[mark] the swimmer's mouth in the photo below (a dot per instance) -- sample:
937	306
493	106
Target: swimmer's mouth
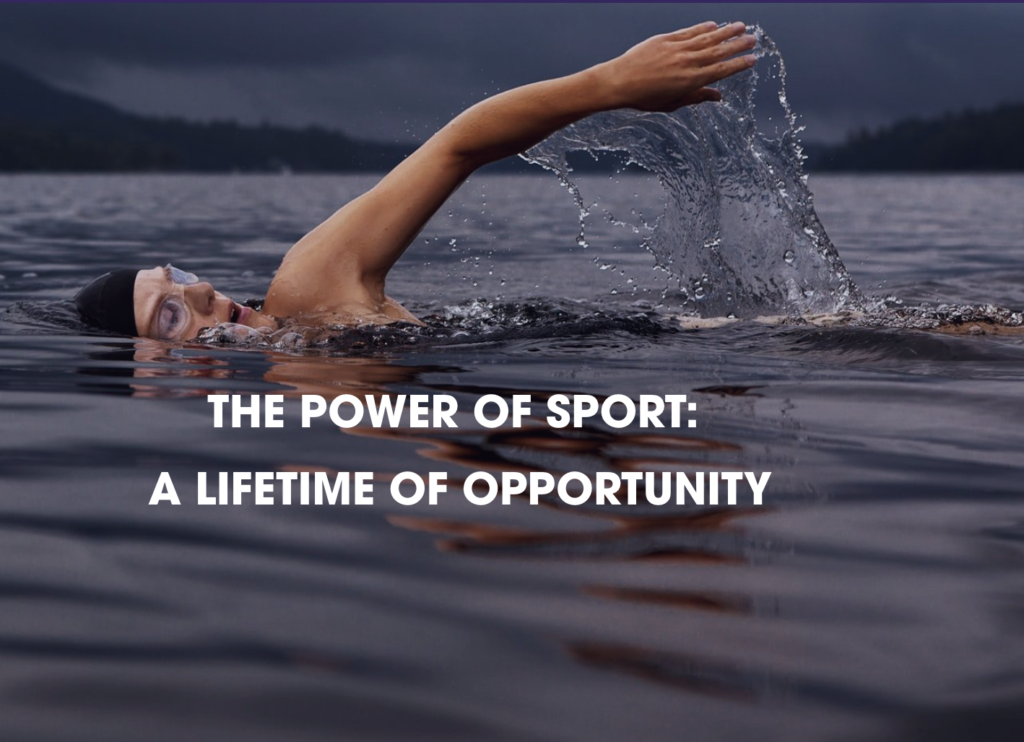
240	314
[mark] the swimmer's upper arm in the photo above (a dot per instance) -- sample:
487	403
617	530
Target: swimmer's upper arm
375	229
349	255
356	247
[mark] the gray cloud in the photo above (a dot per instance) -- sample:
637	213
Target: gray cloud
399	71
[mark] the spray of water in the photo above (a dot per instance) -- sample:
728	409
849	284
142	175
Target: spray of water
739	235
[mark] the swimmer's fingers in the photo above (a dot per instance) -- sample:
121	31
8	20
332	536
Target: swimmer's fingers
716	37
722	70
663	73
685	34
724	51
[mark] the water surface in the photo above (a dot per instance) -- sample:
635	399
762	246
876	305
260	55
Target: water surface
876	595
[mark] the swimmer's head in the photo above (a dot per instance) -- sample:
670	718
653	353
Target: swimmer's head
161	303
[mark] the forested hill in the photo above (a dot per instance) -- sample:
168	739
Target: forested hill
43	128
984	141
46	129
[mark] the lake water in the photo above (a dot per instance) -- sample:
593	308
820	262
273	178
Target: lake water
877	594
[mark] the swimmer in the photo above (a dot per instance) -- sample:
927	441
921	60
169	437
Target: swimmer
336	274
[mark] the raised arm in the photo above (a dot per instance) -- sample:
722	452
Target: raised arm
345	260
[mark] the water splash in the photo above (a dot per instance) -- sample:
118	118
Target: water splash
966	319
465	323
739	234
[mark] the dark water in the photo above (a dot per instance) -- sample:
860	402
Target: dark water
878	594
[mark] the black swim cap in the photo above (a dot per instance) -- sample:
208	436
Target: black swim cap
109	302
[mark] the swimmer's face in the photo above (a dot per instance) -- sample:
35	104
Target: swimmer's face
173	305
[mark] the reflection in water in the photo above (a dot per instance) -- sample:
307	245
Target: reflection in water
672	539
684	672
696	537
159	363
643	535
730	391
715	602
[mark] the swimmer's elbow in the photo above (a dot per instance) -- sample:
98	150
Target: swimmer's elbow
463	147
459	158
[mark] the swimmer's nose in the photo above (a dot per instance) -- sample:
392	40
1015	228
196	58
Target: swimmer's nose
201	297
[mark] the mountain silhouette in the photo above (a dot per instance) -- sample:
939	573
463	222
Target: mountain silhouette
44	128
968	141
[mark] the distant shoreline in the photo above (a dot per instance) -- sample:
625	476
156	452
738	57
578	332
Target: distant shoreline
47	130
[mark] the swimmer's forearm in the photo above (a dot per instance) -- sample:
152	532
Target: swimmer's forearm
514	121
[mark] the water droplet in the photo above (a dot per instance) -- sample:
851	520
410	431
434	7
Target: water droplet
698	292
789	256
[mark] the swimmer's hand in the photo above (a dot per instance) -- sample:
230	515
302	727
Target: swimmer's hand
673	70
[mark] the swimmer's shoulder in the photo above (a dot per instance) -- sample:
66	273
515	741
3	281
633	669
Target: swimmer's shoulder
322	302
355	314
386	312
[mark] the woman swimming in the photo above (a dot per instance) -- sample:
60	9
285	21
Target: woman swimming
336	274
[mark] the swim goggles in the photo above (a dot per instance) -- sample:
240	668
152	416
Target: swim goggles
173	317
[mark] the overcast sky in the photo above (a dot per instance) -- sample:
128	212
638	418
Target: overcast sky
398	72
